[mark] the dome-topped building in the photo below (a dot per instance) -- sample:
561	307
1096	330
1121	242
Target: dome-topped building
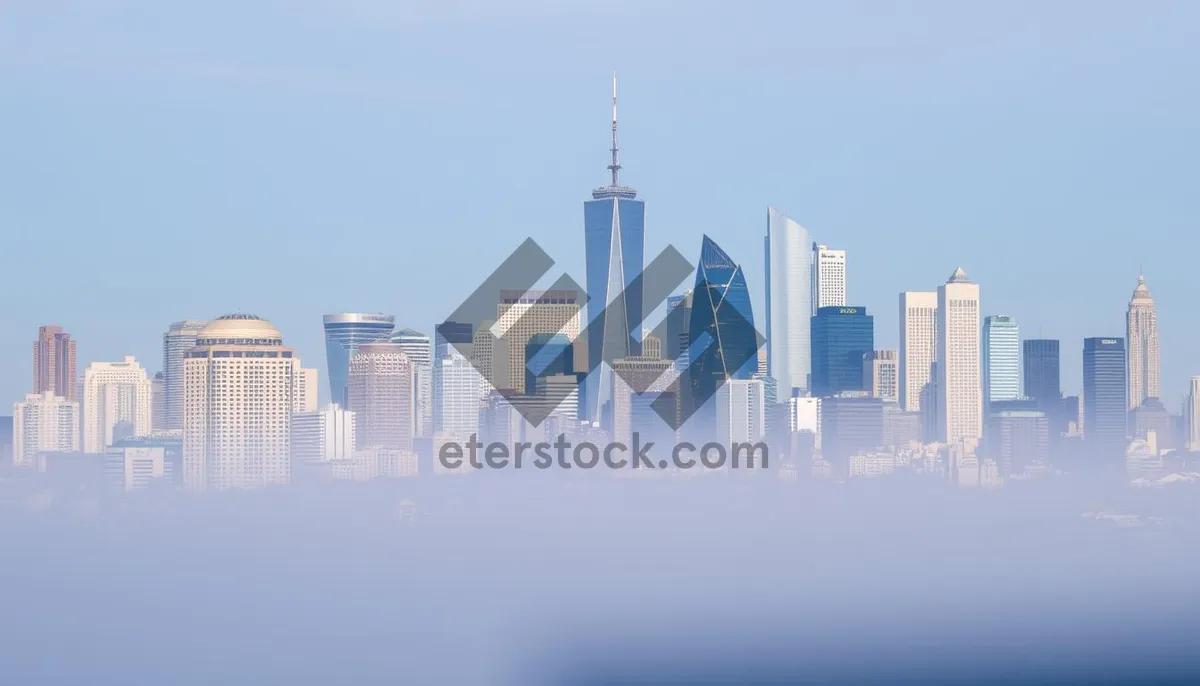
239	329
241	386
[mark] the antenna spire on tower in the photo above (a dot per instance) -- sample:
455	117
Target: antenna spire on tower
616	165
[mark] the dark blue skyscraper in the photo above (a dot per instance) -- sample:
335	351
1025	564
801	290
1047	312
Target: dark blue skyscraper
840	336
724	343
1104	409
1042	377
614	241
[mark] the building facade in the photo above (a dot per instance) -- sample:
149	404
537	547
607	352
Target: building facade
456	392
419	350
54	362
828	278
323	436
724	341
1141	340
789	301
881	375
379	391
960	397
520	317
1001	358
1043	376
344	332
918	345
44	422
741	412
179	338
841	338
1105	408
115	392
239	397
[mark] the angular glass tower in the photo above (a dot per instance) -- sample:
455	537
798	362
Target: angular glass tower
724	342
789	301
343	334
614	224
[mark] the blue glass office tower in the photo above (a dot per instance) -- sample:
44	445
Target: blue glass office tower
841	337
343	334
724	342
1104	409
614	225
547	354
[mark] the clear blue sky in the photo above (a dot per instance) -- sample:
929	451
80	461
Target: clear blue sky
162	161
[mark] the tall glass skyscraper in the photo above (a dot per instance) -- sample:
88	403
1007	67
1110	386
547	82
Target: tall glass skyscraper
724	341
841	338
179	338
614	226
1104	408
343	334
1001	359
1043	379
789	301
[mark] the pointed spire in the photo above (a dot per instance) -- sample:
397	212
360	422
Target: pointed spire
616	165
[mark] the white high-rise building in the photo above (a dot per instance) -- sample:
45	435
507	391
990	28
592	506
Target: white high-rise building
44	422
828	278
918	345
741	406
306	390
239	397
114	392
960	398
1192	416
179	338
789	302
1001	358
323	435
419	350
881	371
379	390
133	468
1141	332
456	391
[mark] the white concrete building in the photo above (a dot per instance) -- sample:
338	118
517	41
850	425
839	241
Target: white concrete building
881	374
456	390
828	278
918	345
306	390
741	407
960	396
789	302
44	422
323	435
1192	415
1141	334
115	392
239	396
133	468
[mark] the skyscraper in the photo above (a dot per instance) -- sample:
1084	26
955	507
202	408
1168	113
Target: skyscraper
114	392
343	334
379	389
547	355
918	345
881	375
614	224
456	392
1141	331
1191	418
520	317
679	315
239	393
54	362
158	402
44	422
633	378
179	338
960	398
841	338
1042	375
418	348
724	341
1105	417
451	334
741	408
789	301
1001	358
828	277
